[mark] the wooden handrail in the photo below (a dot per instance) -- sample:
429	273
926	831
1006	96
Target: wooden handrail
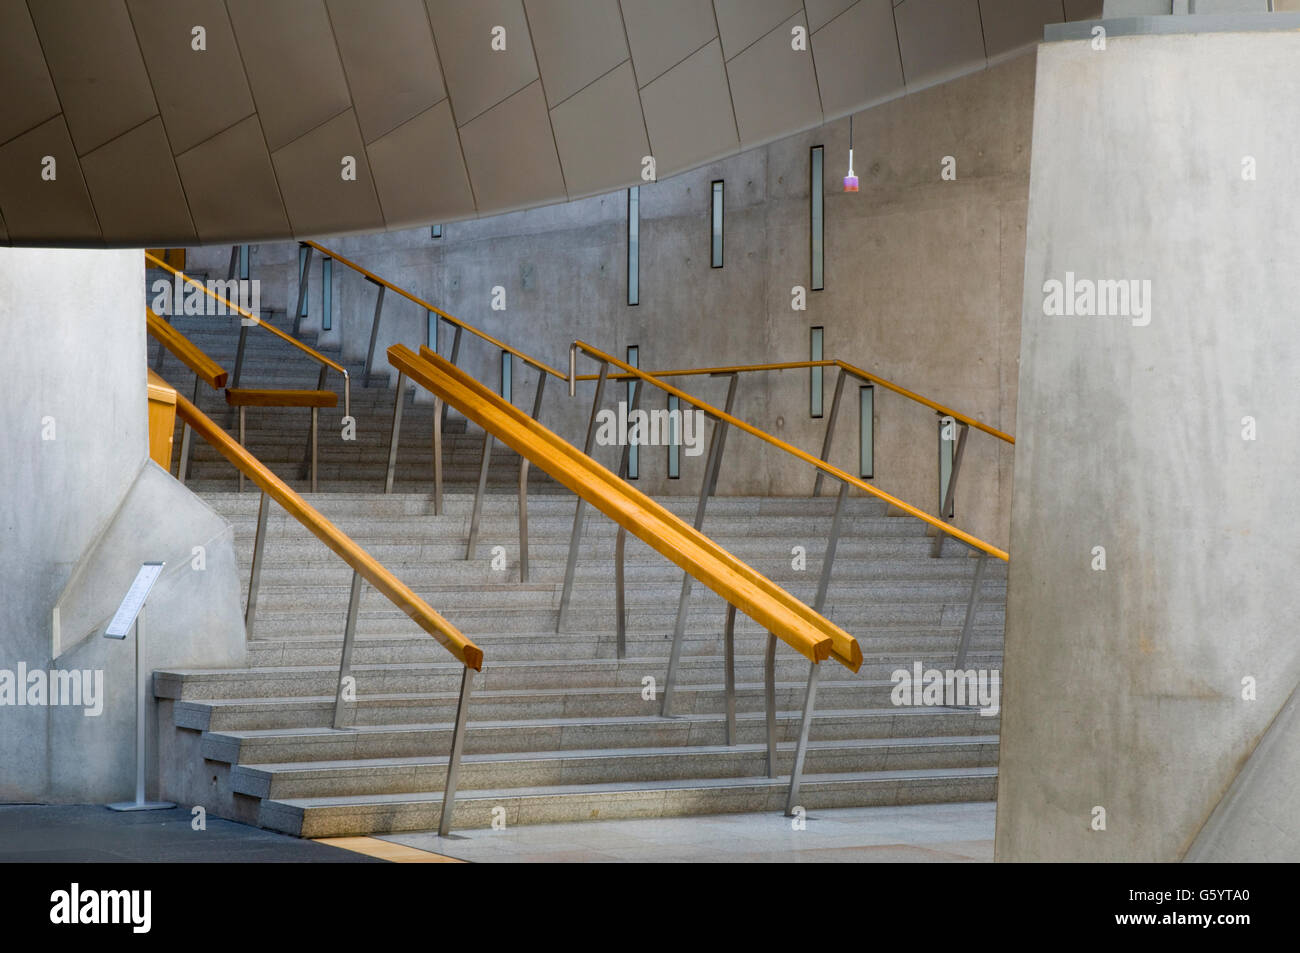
954	532
339	542
806	631
208	370
359	269
311	352
800	365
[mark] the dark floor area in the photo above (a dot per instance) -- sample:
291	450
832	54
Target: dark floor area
91	833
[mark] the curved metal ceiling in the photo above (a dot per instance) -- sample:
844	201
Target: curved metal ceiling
116	128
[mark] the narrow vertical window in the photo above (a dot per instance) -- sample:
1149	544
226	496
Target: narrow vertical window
326	293
507	366
633	460
815	373
431	328
634	245
947	443
866	431
674	438
302	277
817	219
717	225
243	262
435	231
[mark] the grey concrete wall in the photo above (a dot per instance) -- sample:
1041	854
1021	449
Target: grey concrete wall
89	497
922	287
1144	688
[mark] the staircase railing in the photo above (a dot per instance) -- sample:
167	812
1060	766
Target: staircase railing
247	319
364	567
784	617
722	420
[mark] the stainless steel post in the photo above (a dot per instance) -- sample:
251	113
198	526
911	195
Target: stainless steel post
571	565
183	468
620	543
374	334
478	495
940	537
801	749
349	637
729	651
255	575
395	433
769	686
457	746
963	647
830	430
523	486
829	559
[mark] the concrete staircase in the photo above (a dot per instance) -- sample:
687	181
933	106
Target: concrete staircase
559	729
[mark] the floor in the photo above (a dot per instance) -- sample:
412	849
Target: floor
91	833
926	833
930	833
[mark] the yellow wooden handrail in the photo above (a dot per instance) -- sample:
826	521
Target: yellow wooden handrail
339	542
800	365
495	342
314	354
208	370
954	532
806	631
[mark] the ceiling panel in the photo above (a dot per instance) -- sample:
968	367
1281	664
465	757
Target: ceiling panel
310	172
136	189
22	68
662	33
477	76
510	153
856	55
199	92
822	12
774	87
682	138
601	135
938	38
36	210
576	42
419	172
292	65
390	60
94	60
231	187
1011	24
742	22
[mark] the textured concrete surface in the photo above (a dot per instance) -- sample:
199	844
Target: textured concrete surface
90	833
930	833
1127	689
79	491
923	286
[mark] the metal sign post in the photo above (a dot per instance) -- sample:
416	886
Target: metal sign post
131	613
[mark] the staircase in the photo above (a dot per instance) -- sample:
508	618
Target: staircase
559	729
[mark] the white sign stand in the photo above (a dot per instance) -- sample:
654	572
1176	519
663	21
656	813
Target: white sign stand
131	612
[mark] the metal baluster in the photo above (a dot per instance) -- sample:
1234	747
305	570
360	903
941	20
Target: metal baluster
523	486
374	334
620	544
830	430
729	651
828	560
571	566
306	457
940	537
438	411
710	482
801	749
457	746
971	605
769	685
395	433
478	495
349	637
183	468
455	355
255	575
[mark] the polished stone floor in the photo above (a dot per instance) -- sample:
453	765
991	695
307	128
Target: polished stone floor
926	833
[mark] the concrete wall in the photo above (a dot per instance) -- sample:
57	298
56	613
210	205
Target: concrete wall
922	287
1128	689
80	492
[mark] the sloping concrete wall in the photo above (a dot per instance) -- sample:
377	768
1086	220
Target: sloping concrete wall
922	287
78	486
1143	688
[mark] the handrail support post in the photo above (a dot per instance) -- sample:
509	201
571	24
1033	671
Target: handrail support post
374	334
453	760
769	698
345	661
823	584
830	430
967	628
255	573
571	564
801	749
523	486
936	548
729	651
395	433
